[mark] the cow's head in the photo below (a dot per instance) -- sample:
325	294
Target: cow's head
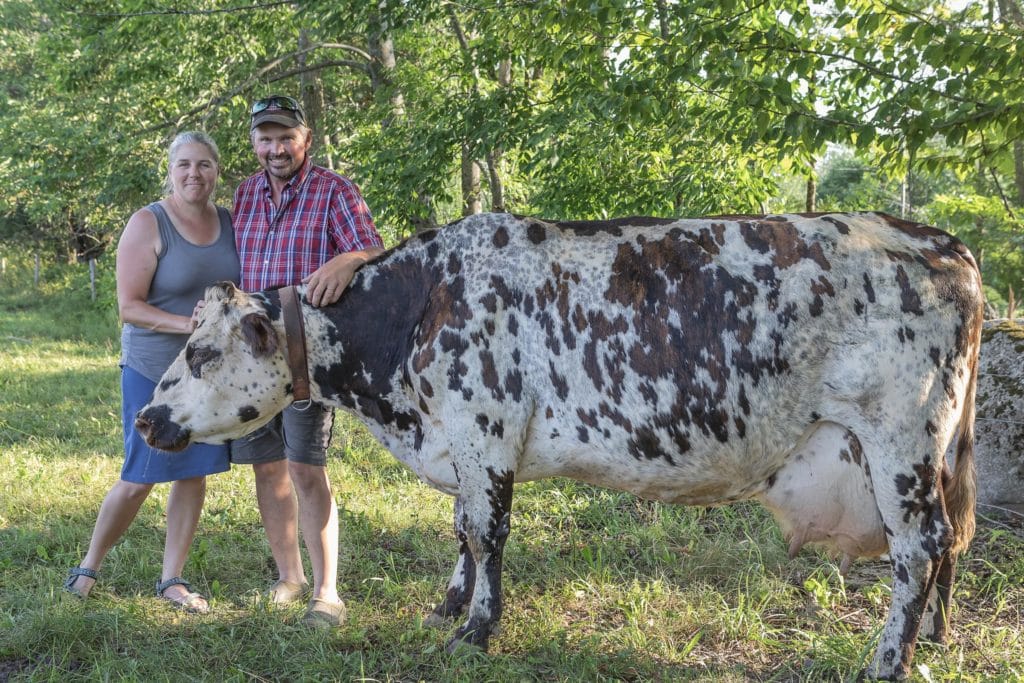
231	378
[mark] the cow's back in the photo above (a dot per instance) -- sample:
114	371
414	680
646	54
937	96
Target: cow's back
649	352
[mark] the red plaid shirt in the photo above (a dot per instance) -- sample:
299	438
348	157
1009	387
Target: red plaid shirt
322	215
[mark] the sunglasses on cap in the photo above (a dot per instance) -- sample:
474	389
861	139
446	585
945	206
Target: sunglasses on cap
278	102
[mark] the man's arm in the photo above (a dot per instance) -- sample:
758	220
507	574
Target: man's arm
326	283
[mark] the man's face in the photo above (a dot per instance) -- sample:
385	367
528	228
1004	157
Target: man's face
281	150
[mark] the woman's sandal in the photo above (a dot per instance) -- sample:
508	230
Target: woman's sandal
194	603
73	574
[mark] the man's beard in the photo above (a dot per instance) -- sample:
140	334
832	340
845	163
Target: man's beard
285	172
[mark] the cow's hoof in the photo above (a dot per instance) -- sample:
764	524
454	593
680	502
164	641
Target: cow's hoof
468	638
939	642
868	675
938	637
435	620
462	648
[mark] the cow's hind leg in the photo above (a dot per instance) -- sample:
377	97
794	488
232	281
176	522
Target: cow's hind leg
485	518
460	586
919	539
935	624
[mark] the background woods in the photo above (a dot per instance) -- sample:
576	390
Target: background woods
560	109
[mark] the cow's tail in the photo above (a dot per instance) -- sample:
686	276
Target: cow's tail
960	485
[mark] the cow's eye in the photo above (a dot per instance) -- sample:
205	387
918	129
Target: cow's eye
197	356
192	355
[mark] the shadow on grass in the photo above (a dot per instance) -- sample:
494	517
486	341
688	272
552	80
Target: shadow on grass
85	412
99	640
389	583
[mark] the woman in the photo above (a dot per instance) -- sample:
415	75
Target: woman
169	253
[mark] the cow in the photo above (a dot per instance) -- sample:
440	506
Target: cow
819	364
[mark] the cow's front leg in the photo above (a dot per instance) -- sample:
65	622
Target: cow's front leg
485	518
460	586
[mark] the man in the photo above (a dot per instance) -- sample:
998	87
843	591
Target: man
298	223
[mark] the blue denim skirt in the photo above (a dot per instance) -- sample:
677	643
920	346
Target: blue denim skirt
145	465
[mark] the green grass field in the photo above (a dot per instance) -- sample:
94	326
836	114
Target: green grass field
598	585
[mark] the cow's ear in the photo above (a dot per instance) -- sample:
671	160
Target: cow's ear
219	291
259	334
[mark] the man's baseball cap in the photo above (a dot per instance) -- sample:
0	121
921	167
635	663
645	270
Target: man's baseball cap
277	109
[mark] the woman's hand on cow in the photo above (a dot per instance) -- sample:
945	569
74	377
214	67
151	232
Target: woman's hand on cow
195	314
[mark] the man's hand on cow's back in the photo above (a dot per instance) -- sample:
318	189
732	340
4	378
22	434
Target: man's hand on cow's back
326	284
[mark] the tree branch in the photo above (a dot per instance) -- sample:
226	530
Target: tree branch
357	66
261	75
1002	195
182	12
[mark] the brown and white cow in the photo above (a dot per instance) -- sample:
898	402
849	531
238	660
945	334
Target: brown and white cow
817	363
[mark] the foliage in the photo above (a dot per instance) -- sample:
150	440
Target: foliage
610	107
846	182
965	208
997	241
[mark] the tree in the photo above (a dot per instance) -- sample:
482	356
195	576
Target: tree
570	110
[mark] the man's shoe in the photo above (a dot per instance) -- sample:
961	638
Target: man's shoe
286	592
323	614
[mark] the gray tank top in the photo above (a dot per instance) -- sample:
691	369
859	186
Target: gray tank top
183	272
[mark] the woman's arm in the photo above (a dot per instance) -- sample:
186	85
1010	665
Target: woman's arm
136	263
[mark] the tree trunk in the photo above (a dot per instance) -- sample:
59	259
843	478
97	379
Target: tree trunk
812	194
382	49
663	19
382	65
905	207
470	171
1010	12
1018	170
470	183
496	155
312	96
494	159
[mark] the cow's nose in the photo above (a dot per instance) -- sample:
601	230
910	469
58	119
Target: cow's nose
143	426
159	431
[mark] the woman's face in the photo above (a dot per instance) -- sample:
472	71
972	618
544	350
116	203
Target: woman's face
193	172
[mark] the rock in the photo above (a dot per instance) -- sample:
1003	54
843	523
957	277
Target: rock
999	427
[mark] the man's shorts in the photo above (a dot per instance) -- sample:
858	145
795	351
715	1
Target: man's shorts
299	435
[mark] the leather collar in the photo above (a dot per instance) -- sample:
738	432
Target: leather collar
295	343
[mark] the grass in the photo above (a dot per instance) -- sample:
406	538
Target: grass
599	586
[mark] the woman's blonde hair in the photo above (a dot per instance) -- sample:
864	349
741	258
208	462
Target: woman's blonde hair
188	137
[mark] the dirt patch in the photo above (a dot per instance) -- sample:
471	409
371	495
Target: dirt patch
9	668
13	667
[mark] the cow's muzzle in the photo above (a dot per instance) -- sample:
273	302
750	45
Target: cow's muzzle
159	431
